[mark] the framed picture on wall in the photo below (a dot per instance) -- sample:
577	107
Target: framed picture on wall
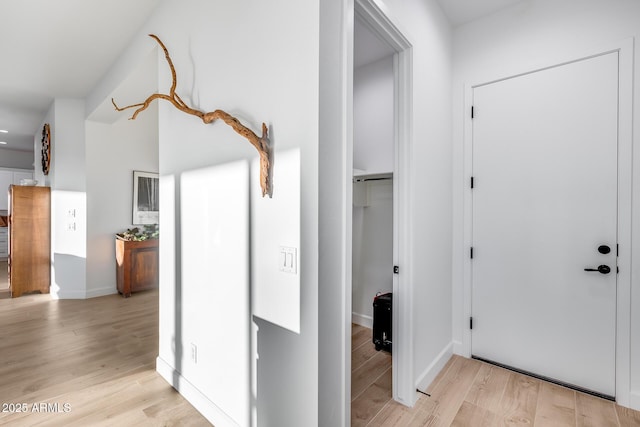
146	190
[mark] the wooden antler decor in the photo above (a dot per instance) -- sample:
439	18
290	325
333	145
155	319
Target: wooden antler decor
260	143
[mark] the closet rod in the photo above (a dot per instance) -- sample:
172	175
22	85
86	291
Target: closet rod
373	177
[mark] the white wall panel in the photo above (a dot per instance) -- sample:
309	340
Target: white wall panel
275	244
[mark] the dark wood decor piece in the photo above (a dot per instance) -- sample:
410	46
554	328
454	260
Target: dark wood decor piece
29	239
136	265
46	149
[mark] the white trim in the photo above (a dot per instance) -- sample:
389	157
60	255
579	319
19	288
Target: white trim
376	17
362	320
458	347
634	401
347	214
10	169
83	294
625	169
625	198
100	292
432	371
207	408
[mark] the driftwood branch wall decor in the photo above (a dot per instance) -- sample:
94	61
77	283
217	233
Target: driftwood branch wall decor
260	143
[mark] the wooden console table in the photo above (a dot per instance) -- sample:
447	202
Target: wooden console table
136	265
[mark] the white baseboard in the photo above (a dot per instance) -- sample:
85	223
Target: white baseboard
362	320
634	400
458	348
207	408
83	294
93	293
69	294
427	377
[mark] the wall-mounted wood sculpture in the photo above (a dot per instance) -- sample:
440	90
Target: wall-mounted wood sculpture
260	143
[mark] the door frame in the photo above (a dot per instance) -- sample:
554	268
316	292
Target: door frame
625	166
372	14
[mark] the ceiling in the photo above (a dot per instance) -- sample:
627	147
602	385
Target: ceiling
62	48
369	48
463	11
55	49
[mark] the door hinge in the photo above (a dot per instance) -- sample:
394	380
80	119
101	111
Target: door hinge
396	269
470	322
471	252
473	114
472	183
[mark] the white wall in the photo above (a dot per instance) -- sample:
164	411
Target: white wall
431	195
16	159
68	164
67	179
372	249
275	80
113	152
37	149
373	117
333	175
530	35
275	245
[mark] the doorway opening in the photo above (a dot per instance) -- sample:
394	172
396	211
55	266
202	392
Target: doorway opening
381	128
372	216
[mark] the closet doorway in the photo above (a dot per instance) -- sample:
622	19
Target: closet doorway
373	164
380	216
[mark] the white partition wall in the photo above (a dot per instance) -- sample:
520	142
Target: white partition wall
209	354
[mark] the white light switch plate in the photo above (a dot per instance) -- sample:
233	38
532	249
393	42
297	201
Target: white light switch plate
288	259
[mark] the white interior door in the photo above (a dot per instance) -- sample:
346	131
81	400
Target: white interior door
544	201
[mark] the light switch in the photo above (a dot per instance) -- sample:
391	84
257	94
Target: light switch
288	259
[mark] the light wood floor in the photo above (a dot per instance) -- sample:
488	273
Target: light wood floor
470	393
95	356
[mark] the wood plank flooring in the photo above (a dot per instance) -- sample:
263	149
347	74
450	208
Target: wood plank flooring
92	362
85	363
470	393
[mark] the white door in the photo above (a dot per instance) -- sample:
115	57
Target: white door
544	202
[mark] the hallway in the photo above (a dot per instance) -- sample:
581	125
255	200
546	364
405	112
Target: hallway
471	393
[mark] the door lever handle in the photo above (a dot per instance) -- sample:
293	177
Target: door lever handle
602	269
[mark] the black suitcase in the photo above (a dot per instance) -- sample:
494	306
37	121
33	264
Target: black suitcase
382	321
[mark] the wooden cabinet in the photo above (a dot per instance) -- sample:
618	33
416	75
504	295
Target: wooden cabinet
136	265
29	239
